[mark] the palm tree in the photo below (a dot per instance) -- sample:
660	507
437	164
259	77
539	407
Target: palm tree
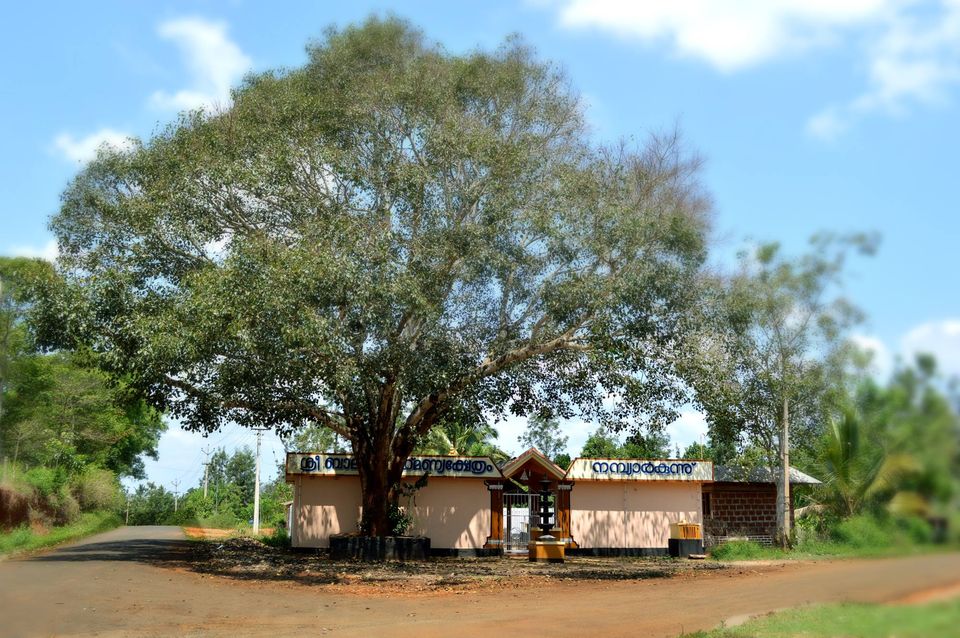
460	439
857	468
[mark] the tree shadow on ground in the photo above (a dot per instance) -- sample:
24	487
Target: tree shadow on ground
138	550
250	560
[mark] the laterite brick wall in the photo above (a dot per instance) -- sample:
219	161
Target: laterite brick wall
741	509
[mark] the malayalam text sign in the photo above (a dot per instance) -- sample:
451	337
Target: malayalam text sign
640	470
346	465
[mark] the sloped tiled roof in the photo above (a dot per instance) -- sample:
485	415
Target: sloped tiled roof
511	466
741	474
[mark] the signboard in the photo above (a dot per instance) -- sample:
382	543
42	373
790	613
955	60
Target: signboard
640	470
346	465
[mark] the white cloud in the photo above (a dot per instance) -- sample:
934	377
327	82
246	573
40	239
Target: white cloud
215	64
48	251
827	124
728	35
939	338
915	60
909	50
84	149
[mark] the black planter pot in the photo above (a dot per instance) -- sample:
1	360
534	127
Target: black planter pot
376	548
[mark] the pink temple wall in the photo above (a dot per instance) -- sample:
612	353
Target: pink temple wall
452	512
631	514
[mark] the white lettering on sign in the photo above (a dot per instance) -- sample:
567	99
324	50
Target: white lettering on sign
640	470
346	465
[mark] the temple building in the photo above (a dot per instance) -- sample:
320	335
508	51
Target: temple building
470	506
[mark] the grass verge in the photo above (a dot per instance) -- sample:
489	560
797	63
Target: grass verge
24	539
851	621
749	550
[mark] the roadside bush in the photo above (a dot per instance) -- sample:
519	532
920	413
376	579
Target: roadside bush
279	538
222	520
863	532
46	481
915	529
96	489
63	507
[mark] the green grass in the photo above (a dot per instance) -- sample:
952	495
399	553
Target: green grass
23	539
850	621
748	550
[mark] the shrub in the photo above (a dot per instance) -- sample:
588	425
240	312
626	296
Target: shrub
863	532
96	489
64	507
916	529
279	538
46	481
222	520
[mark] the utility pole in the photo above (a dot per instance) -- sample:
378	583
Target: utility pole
206	471
176	493
126	520
256	486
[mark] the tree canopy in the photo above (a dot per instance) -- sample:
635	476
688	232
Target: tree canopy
387	238
768	361
59	411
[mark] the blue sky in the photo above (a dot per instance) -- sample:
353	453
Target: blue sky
810	114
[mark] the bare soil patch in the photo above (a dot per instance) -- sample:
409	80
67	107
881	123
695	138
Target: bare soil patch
933	595
251	560
213	533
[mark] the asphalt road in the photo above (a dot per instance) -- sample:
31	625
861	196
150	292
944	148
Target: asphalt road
131	582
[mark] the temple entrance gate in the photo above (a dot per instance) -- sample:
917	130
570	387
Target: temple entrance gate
515	503
520	515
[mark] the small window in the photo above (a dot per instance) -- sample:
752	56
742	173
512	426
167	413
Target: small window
707	512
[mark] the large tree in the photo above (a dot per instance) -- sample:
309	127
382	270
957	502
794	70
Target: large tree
385	238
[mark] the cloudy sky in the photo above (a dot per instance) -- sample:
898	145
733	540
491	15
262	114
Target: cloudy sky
811	115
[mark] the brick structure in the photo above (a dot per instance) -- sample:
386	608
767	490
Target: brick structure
741	503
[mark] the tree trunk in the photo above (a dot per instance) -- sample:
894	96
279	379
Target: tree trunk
783	480
380	473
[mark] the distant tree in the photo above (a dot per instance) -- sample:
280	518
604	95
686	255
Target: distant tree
150	504
314	437
241	472
379	239
655	445
600	445
762	370
545	435
893	447
230	481
697	451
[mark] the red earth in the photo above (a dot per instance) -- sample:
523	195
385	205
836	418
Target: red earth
142	581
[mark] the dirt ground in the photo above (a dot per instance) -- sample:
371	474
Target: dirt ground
154	582
248	559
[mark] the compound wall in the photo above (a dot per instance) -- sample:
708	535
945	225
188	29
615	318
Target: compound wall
630	514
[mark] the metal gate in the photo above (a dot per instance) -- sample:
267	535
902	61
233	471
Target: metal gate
520	514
